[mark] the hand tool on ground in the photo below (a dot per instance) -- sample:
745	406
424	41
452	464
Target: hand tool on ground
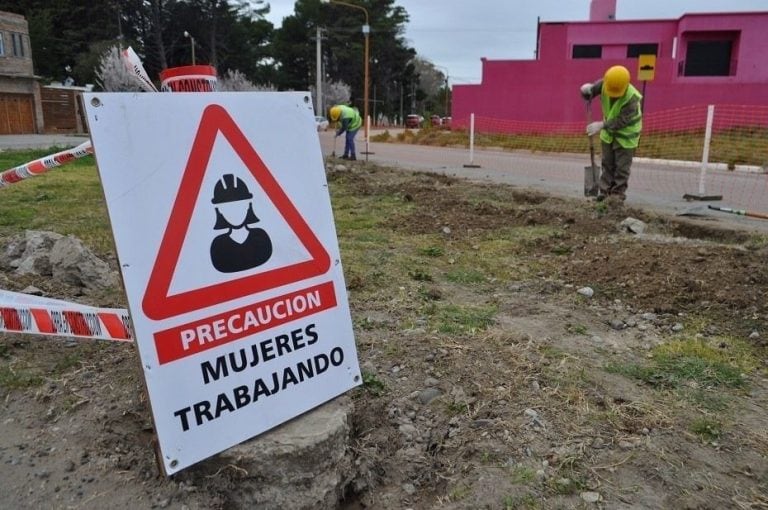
741	212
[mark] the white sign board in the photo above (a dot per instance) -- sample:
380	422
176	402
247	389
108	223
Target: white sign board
227	246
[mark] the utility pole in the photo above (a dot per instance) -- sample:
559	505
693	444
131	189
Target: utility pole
319	74
402	121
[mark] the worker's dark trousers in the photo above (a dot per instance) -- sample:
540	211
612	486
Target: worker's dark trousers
349	144
616	166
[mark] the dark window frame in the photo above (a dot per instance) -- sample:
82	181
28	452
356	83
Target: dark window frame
705	57
17	44
634	50
587	51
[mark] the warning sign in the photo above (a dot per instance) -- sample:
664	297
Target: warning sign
646	67
227	246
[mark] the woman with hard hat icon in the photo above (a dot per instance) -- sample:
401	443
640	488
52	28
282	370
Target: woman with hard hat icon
241	247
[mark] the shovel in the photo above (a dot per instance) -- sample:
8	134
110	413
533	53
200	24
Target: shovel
592	172
333	154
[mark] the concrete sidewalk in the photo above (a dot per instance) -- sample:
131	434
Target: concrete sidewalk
17	142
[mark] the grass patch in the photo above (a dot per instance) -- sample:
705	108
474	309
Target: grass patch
522	475
67	200
576	329
517	502
11	379
432	251
465	276
707	429
683	362
373	384
459	492
462	319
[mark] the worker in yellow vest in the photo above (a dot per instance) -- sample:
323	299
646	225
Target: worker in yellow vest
350	122
619	130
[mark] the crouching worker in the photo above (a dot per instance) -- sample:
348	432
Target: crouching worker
619	130
350	124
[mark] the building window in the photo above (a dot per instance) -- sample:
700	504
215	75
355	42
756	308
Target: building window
2	45
17	42
587	51
635	50
708	58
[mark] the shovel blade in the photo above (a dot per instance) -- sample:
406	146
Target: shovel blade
591	180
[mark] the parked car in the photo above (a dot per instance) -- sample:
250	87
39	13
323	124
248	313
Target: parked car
435	120
413	121
321	123
447	122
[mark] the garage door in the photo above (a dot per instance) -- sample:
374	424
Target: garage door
17	114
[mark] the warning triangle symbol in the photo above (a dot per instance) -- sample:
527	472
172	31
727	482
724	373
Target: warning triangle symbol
157	303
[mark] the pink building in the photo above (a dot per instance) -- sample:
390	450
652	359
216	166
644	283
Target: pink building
714	58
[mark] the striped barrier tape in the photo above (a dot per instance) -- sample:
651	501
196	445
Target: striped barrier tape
42	165
22	313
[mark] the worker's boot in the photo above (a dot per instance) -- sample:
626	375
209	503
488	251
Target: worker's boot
344	157
353	157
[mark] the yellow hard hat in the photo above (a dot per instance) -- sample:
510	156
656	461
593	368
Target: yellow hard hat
335	113
616	81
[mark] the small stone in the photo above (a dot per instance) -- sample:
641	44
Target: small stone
164	503
446	230
69	466
631	323
597	443
590	497
407	429
586	291
535	386
648	316
564	482
429	358
431	381
32	290
632	225
627	445
396	369
617	324
541	473
531	413
642	327
409	488
678	327
428	395
754	335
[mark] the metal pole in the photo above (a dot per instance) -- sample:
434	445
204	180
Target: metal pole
707	141
366	30
319	77
367	146
471	143
192	39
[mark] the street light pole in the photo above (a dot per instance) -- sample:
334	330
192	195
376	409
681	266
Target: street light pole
192	41
366	33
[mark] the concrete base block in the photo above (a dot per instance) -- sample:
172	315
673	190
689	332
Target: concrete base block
303	464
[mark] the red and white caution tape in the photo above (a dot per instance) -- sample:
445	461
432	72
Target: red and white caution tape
42	165
22	313
132	61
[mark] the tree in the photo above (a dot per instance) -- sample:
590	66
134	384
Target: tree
343	49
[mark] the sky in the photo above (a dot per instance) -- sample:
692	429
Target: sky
455	34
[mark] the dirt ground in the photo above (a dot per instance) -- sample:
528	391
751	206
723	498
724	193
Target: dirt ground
491	379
